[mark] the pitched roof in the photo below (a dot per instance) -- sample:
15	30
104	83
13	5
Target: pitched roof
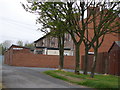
115	42
42	37
118	43
17	46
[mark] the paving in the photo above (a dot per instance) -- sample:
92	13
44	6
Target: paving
25	77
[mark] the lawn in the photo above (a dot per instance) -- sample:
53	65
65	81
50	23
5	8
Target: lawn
99	81
0	85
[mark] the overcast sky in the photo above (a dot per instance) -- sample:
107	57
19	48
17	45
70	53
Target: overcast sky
17	24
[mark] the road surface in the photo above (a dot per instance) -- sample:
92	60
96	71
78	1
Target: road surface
24	77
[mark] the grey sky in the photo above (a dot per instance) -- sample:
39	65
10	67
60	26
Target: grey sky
17	24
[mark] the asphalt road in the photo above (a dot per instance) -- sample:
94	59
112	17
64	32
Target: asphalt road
24	77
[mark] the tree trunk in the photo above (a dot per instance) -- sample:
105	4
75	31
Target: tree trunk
61	52
77	54
94	63
86	61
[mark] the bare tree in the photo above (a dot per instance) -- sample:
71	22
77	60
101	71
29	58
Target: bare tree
20	43
64	16
102	22
6	44
71	16
52	22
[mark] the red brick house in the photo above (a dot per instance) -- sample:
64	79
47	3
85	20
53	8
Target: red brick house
23	57
103	50
108	40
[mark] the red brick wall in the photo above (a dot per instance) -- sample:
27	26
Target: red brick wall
8	57
38	60
9	53
26	58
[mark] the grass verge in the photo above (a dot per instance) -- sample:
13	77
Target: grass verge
100	81
0	85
